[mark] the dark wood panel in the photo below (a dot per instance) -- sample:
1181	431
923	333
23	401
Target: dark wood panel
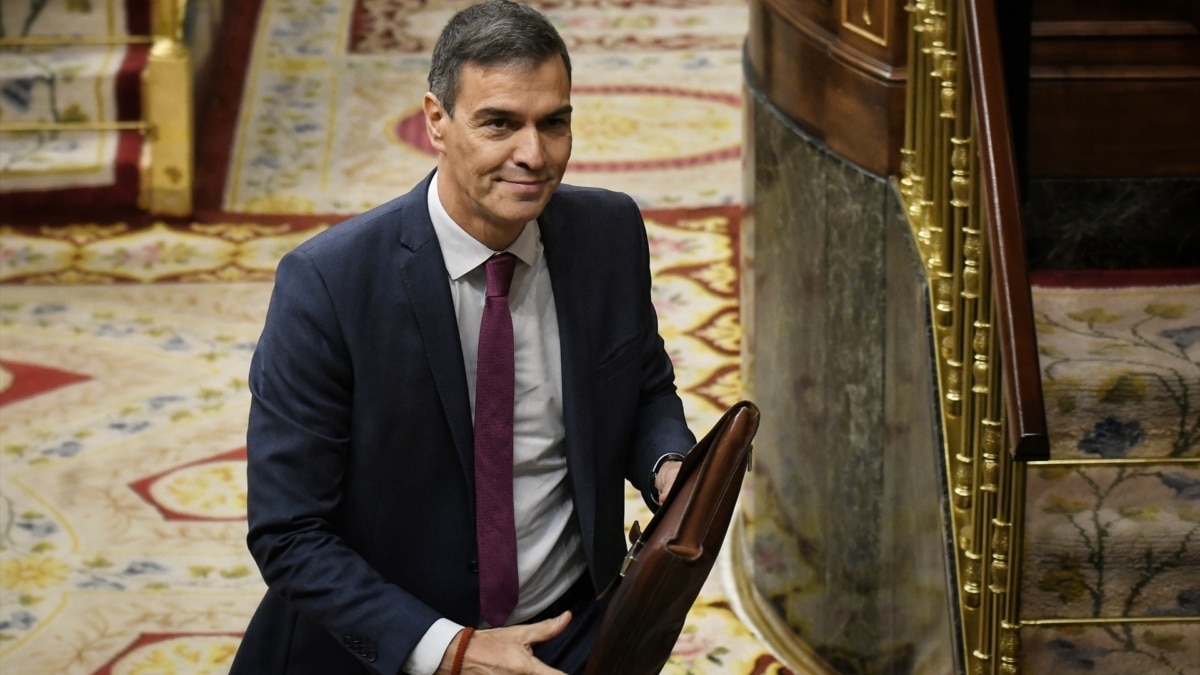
1115	10
836	69
1124	127
1083	44
795	73
1114	88
865	119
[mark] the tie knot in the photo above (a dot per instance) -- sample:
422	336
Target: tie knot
499	270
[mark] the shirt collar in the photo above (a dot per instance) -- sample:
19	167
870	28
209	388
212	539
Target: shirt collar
462	252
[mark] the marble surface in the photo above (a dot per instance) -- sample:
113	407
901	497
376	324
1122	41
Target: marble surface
843	516
1113	223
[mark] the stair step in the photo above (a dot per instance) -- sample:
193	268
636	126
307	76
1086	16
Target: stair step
1114	531
95	18
1121	363
90	78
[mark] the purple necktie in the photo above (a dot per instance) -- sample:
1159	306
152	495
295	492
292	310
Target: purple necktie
495	528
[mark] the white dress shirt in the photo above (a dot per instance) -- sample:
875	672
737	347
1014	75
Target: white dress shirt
549	544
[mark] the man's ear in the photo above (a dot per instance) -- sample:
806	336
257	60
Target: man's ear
435	120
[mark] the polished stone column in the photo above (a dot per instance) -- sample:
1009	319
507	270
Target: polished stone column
842	538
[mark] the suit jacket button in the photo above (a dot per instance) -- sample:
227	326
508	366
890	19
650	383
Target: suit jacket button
371	655
347	640
473	567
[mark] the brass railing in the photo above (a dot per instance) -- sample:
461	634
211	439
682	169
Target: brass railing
166	165
959	188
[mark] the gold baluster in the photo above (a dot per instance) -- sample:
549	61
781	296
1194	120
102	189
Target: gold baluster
972	580
964	481
1010	648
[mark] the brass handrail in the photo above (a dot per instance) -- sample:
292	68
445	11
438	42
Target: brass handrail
1014	317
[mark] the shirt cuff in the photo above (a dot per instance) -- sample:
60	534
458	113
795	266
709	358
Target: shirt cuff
427	655
669	457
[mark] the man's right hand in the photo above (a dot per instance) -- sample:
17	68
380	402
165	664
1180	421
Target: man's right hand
506	651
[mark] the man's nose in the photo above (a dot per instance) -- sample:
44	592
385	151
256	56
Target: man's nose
531	148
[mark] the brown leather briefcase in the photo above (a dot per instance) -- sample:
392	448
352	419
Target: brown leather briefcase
669	561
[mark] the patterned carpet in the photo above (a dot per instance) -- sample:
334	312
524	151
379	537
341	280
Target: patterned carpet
656	90
1117	534
125	345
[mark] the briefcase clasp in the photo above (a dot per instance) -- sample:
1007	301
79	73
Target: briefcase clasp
631	556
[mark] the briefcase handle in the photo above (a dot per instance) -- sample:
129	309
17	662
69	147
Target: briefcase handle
723	452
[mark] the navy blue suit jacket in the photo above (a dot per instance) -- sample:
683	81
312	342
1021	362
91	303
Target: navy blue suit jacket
360	435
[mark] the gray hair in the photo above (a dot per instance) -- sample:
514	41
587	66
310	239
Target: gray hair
492	33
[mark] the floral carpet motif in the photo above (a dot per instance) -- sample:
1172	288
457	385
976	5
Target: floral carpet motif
400	26
330	117
1117	534
1113	357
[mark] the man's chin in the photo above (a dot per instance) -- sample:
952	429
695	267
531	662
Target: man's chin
519	220
525	210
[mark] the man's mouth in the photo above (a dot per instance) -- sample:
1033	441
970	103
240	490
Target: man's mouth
526	186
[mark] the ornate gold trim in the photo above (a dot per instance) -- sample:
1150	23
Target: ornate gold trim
940	189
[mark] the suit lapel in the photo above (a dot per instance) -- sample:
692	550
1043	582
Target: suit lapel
564	259
423	271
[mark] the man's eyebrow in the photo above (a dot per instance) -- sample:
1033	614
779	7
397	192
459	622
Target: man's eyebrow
504	113
484	113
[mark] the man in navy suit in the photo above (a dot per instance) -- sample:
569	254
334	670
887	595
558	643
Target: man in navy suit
361	442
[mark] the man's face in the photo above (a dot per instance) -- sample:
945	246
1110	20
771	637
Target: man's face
504	151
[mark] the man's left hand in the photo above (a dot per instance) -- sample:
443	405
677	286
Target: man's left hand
664	480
